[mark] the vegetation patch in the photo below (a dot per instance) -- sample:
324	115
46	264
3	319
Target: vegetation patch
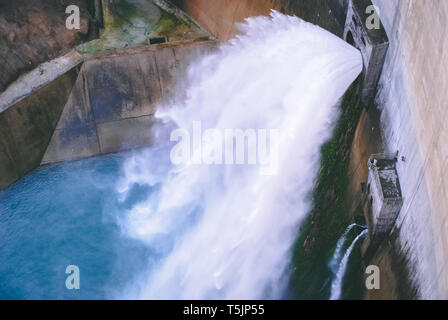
170	26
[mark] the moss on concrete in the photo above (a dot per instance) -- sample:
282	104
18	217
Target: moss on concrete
130	23
171	27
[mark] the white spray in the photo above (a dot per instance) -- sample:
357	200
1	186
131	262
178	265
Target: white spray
225	231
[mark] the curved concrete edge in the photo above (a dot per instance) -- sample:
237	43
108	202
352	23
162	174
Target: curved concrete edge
37	78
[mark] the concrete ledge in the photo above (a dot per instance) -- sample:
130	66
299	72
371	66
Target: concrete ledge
37	78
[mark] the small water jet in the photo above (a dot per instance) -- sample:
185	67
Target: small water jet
338	265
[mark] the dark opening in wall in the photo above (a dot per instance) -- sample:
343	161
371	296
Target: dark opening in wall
350	38
355	21
157	40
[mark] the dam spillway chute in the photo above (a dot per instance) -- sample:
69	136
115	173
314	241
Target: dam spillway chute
227	230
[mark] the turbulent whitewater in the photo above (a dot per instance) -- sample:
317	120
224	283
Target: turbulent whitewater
226	231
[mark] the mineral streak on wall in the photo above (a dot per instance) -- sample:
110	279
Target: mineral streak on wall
413	121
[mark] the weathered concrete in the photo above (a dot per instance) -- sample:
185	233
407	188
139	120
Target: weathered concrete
382	202
415	122
38	78
27	126
111	107
372	43
367	141
112	104
134	23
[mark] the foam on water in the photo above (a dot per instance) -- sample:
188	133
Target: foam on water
226	230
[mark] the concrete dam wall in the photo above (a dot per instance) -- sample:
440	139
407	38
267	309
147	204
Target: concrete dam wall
102	104
410	121
27	126
414	122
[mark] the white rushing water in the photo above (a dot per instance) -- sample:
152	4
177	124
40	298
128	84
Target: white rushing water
336	284
225	231
337	255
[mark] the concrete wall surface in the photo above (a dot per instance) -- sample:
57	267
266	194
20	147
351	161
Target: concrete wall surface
414	121
111	107
26	127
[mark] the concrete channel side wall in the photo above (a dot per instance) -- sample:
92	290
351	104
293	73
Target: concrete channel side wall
111	107
27	126
103	105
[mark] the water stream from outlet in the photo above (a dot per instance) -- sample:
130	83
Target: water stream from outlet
338	265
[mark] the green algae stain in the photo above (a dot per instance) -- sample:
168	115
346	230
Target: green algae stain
126	24
171	27
165	25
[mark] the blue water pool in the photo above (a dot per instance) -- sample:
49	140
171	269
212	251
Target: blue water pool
62	215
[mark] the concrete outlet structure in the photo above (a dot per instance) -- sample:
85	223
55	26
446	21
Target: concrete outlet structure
382	202
371	41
